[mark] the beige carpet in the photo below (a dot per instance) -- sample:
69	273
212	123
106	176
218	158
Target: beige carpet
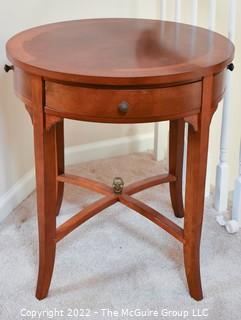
118	260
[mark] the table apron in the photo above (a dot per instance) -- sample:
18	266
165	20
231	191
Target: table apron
94	104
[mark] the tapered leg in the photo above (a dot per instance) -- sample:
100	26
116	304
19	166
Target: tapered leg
46	199
60	162
45	163
176	147
195	191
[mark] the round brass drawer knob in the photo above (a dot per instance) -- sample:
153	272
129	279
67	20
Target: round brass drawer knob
123	107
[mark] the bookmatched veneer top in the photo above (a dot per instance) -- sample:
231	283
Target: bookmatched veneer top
120	51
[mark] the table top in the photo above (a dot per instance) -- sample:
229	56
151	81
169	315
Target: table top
120	51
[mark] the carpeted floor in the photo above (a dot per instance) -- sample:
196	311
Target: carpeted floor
117	260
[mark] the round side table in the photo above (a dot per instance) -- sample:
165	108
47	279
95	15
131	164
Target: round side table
120	71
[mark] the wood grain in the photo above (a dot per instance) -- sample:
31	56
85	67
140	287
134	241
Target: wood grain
153	215
46	168
60	163
195	191
101	105
84	215
120	51
85	183
176	147
148	183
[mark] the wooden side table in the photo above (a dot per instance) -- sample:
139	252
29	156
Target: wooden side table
120	71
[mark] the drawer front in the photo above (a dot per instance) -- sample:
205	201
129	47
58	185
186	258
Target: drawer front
102	104
122	105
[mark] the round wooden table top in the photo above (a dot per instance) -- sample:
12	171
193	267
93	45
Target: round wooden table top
120	51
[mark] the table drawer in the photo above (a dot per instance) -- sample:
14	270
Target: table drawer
123	105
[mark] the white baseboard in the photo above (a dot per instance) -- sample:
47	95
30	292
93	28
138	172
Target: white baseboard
76	154
16	194
108	148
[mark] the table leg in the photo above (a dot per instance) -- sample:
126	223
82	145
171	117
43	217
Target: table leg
46	200
45	165
176	147
60	162
195	192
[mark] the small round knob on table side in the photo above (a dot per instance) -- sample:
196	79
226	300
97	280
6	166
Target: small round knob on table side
123	107
231	67
7	68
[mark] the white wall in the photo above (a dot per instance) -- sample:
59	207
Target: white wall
16	143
